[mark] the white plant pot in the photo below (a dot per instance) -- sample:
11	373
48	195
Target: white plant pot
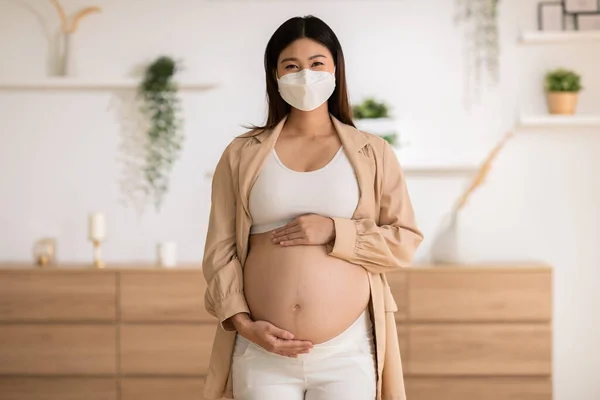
166	254
377	126
446	247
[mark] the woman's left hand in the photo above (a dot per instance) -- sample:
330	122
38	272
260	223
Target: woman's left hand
309	229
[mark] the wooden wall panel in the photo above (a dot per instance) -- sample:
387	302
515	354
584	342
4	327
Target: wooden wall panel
435	388
163	296
166	349
57	295
480	349
57	349
480	295
162	389
55	388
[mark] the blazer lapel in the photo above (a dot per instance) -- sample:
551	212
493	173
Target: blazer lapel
252	158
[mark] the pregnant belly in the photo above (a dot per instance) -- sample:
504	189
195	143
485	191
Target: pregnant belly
302	289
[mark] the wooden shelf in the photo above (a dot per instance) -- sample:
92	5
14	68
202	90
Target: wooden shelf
91	84
538	37
560	121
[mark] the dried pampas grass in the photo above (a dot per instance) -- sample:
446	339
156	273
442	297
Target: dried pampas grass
482	173
64	21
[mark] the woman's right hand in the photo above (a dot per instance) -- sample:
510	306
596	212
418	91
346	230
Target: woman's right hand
270	337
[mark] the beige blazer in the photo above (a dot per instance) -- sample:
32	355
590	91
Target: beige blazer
382	236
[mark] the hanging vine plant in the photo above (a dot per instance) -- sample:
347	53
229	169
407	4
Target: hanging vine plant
482	48
160	105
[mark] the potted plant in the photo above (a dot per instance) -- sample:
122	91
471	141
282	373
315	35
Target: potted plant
562	87
161	107
373	116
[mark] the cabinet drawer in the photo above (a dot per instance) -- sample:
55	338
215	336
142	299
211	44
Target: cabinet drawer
57	295
57	349
162	388
54	388
480	295
163	296
166	349
480	349
398	285
432	388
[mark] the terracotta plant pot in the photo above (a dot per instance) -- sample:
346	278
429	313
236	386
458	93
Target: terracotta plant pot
562	102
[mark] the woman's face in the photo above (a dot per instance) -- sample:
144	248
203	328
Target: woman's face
304	54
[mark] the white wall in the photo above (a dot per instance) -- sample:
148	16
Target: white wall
541	202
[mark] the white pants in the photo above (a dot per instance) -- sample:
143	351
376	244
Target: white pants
342	368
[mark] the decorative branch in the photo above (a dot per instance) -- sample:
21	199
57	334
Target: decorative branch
482	173
80	15
64	21
62	15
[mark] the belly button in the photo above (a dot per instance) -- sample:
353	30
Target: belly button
296	307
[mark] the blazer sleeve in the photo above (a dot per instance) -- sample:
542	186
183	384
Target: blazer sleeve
224	296
391	243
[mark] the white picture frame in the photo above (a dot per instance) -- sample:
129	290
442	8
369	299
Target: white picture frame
588	22
551	17
581	6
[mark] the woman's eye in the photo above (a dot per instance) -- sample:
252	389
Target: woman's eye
290	66
317	64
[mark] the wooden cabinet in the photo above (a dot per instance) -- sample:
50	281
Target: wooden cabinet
155	296
46	295
162	389
57	388
51	349
479	333
478	388
479	349
482	295
173	349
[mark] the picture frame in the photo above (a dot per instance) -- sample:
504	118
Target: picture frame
587	22
551	16
581	6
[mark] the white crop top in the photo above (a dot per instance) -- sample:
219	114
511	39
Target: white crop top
280	194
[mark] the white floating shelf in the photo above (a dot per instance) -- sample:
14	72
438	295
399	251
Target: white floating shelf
538	37
413	170
560	121
439	170
420	162
91	84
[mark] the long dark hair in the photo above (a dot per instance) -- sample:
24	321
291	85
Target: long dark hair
312	28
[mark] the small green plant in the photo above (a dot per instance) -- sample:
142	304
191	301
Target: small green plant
392	139
563	80
370	108
161	107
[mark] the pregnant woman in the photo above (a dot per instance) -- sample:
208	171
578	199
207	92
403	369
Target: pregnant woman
308	214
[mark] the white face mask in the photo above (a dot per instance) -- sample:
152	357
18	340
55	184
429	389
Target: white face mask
307	89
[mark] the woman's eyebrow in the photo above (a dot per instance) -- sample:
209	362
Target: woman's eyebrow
295	59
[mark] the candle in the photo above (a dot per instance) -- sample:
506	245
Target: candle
167	254
97	226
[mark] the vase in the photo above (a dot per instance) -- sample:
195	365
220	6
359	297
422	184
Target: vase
166	254
562	103
445	249
66	61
